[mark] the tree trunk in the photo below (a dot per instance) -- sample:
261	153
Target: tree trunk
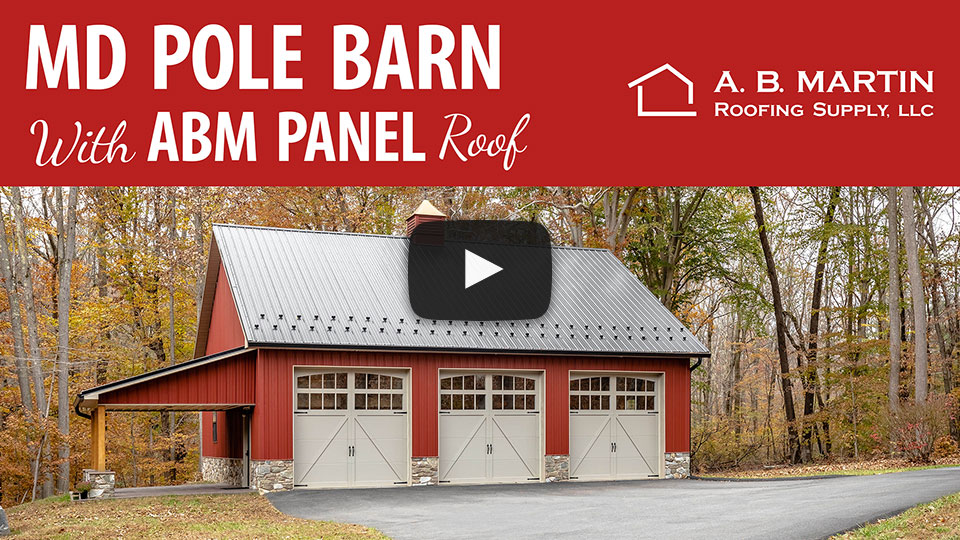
66	246
916	292
810	370
786	384
26	281
16	327
946	337
893	301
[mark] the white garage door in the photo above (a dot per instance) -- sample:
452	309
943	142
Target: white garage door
614	426
489	427
350	428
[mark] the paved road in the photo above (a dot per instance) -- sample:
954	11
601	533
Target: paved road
641	509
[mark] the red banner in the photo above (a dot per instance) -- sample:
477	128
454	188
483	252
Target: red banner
324	93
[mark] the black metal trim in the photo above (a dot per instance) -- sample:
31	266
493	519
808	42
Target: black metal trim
470	350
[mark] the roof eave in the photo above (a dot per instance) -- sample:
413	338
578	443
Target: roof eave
470	350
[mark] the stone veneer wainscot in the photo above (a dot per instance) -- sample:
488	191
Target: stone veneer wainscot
271	475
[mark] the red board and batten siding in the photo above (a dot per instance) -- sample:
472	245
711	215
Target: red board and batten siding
225	382
225	333
273	415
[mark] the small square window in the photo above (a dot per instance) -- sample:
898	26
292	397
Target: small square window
651	386
385	402
508	383
621	384
621	403
316	401
595	402
360	401
605	384
360	381
497	402
631	384
398	383
445	383
303	401
341	380
498	382
508	402
481	402
328	401
575	384
651	405
605	402
531	402
373	381
373	402
468	401
329	380
480	381
316	381
445	402
458	383
595	384
574	403
397	400
457	402
531	384
585	403
303	382
341	401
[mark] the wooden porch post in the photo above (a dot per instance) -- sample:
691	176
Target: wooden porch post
98	451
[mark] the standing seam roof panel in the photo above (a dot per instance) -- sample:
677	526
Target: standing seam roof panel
312	274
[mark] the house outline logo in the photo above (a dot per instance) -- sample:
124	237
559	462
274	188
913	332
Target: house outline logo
639	84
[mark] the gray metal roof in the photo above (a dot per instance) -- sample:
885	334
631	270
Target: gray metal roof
341	290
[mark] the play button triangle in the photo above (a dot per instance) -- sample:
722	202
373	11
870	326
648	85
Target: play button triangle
476	269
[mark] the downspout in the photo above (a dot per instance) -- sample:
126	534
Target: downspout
690	423
76	408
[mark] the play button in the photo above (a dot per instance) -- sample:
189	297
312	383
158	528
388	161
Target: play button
479	270
476	269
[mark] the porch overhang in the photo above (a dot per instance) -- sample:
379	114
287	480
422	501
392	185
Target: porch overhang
215	382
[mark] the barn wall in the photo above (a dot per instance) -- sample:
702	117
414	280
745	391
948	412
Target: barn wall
225	332
273	416
229	434
228	381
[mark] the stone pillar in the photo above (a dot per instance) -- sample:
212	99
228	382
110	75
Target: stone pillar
556	467
425	471
677	464
102	483
271	475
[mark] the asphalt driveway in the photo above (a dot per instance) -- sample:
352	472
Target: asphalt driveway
641	509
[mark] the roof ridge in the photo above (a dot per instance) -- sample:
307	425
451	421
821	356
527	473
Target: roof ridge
344	233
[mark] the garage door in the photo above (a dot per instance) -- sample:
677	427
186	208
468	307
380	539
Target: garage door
350	428
614	427
489	427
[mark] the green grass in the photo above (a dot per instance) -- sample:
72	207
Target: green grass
235	515
937	519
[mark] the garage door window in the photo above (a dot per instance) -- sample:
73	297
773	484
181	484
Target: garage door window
463	393
636	394
470	392
590	394
373	392
514	393
322	391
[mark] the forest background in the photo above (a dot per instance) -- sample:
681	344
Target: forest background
831	313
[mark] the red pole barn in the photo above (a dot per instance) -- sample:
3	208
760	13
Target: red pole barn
311	370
